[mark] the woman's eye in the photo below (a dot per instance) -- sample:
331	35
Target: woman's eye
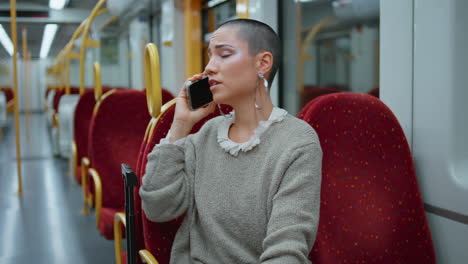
225	55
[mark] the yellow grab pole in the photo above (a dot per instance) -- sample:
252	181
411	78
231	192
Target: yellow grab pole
304	45
25	80
193	41
15	84
242	8
87	42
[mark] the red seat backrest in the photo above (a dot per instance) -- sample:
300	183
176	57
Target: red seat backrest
8	93
57	96
82	118
75	90
115	134
371	210
158	237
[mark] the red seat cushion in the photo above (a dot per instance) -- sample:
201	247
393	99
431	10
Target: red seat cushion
106	224
371	209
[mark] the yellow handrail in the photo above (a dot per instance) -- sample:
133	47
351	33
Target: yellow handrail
153	80
97	82
303	50
85	41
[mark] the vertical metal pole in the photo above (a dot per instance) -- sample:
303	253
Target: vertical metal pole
15	84
26	76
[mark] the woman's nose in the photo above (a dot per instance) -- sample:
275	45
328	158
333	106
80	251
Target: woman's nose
211	67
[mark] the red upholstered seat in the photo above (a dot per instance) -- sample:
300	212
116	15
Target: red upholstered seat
158	237
115	135
371	209
83	113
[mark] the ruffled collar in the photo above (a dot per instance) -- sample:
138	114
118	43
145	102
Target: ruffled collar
277	115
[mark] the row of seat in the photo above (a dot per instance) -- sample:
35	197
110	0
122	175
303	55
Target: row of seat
371	208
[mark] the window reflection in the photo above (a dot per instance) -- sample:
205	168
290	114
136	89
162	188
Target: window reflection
324	54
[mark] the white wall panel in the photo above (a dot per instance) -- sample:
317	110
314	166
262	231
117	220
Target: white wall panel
396	60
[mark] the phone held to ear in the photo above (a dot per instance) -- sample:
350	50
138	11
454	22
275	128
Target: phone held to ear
199	93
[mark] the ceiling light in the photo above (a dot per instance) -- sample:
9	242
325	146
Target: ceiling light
6	41
58	4
47	39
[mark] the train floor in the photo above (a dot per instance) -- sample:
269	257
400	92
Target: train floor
44	224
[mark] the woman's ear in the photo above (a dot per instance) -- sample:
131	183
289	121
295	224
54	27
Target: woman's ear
264	62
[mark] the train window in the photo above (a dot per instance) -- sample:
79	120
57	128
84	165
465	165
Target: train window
325	53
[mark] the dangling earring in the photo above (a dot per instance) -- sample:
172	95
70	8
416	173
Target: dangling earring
265	83
256	105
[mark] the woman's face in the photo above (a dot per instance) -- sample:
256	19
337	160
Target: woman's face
231	68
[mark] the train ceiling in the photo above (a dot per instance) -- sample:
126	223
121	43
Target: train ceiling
35	14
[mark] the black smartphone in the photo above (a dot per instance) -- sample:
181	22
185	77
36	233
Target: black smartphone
199	93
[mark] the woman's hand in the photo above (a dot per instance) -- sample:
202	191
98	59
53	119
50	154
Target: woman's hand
184	117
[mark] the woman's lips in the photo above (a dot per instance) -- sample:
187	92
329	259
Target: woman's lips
213	84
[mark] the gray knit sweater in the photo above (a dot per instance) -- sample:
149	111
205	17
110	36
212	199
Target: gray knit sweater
261	206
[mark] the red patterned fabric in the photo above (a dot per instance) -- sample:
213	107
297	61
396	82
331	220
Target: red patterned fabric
371	210
158	237
115	135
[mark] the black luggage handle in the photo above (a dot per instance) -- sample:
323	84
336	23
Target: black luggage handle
130	181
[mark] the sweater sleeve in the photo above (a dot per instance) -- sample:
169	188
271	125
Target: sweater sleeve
166	190
293	221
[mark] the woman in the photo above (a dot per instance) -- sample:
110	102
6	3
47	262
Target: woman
249	183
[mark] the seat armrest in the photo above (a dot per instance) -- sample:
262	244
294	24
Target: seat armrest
85	164
97	194
55	120
74	159
119	222
147	257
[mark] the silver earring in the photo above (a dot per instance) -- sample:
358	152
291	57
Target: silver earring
265	82
256	105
